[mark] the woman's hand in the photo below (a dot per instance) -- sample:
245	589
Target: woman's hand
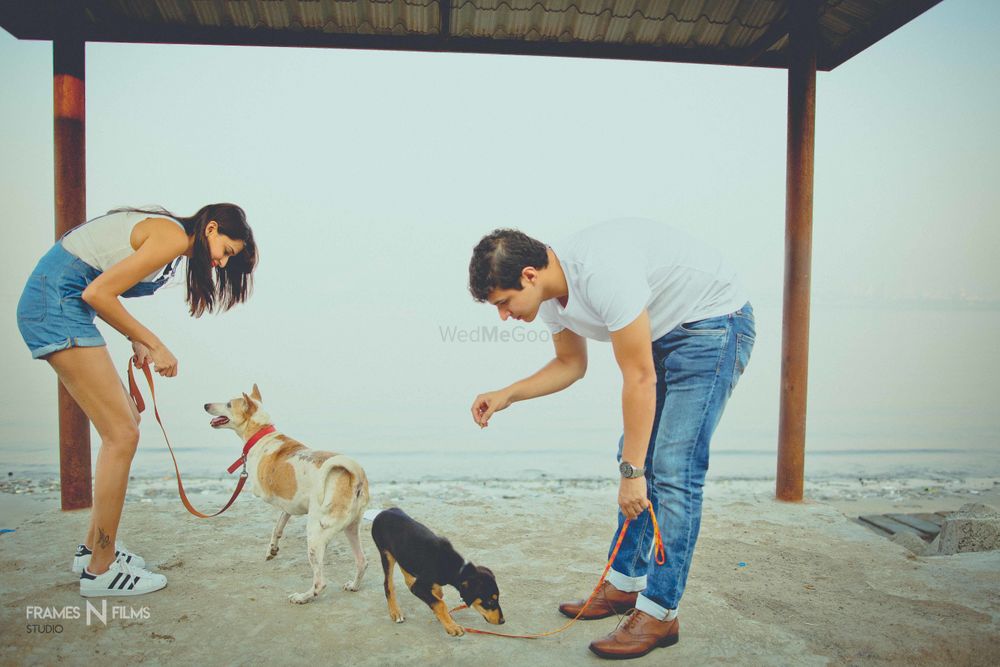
486	404
164	362
140	354
632	497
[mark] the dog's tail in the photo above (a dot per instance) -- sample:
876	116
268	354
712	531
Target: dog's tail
358	481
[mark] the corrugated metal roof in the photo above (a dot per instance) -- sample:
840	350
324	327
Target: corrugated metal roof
745	32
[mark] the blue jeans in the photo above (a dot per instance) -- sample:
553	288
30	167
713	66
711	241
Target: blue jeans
698	366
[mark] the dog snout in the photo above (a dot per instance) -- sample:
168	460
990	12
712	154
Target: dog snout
494	617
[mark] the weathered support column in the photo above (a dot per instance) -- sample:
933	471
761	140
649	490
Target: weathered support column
803	39
68	98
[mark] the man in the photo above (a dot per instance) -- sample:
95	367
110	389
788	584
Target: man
681	331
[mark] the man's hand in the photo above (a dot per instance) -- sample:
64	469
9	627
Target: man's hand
486	404
633	352
632	497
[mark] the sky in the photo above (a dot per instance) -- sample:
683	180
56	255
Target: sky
369	176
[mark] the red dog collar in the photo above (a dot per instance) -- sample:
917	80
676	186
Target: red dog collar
267	430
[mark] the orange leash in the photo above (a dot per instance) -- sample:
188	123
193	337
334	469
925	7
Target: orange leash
661	558
140	405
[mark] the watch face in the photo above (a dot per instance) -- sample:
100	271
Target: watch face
626	469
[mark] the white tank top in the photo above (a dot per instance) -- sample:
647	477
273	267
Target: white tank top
104	241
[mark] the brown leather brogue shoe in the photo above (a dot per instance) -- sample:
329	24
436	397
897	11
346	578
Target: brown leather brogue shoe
608	602
637	636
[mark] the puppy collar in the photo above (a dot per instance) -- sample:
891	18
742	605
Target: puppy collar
254	439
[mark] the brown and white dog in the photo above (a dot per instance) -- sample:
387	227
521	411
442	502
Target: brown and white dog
330	489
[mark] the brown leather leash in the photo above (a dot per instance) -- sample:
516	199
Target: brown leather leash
140	405
660	560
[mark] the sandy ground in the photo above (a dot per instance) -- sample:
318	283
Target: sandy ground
771	583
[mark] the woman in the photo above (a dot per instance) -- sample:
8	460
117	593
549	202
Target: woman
128	253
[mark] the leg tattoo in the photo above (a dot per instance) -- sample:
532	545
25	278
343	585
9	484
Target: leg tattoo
103	539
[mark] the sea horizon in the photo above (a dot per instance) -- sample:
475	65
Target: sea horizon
426	465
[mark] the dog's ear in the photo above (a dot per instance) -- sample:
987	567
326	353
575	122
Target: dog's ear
251	406
256	392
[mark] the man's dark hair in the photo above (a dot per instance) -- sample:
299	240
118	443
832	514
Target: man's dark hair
499	258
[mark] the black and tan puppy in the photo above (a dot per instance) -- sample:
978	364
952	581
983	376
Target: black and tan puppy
429	562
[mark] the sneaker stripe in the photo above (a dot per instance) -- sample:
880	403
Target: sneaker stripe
134	583
128	577
115	580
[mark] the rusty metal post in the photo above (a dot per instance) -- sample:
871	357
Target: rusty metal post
803	39
68	98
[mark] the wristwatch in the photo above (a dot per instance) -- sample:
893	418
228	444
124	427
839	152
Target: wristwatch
629	471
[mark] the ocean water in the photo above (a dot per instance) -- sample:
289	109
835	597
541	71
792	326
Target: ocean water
904	390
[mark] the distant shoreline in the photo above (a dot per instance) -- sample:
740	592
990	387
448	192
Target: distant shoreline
819	488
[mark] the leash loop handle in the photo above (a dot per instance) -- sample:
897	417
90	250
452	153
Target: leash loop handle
141	406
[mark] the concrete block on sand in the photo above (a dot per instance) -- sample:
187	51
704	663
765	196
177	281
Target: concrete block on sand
975	527
911	541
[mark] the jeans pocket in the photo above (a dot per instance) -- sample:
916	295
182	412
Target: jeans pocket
713	326
31	306
744	346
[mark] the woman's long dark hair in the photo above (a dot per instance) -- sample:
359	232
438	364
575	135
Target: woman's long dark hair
226	286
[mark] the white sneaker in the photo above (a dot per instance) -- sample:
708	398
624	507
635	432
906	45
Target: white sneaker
120	579
81	558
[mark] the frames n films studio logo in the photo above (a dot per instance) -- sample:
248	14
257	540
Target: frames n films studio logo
50	620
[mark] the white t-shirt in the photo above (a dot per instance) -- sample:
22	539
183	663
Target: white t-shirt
105	241
616	269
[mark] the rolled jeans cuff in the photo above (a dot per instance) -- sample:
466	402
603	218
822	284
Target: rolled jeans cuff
653	609
625	583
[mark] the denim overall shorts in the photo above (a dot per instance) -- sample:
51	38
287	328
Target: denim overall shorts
52	314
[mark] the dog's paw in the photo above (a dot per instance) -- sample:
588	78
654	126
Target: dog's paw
271	553
398	618
455	630
352	586
301	598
